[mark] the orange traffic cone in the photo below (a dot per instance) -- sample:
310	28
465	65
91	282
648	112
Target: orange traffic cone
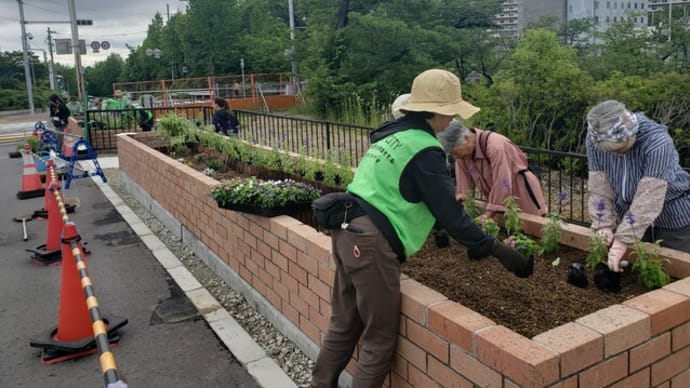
49	253
51	175
31	179
73	337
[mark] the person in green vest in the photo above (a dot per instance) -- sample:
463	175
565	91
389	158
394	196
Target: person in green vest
403	188
116	103
144	117
74	107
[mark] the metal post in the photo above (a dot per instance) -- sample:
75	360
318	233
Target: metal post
242	67
29	88
51	66
75	48
292	49
670	19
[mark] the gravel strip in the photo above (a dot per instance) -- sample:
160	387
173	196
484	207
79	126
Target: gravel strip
290	358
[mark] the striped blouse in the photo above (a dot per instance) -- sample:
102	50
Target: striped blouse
653	155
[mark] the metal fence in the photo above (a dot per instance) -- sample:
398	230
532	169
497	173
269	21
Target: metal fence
561	172
105	124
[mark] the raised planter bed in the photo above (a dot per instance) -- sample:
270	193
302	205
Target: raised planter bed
644	341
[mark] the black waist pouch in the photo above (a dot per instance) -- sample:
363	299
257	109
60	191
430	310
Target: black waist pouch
335	210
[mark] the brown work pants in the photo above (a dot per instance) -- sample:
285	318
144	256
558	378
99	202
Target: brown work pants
365	305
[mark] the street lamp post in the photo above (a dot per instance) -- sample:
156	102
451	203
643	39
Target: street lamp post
27	76
156	53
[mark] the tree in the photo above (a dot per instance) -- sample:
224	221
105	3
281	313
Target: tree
100	78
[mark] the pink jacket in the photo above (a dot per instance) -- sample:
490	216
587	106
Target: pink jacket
499	173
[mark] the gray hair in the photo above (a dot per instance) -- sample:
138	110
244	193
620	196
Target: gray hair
452	136
399	102
610	125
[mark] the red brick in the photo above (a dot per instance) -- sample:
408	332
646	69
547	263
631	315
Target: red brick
650	351
664	385
399	382
456	323
567	383
428	341
637	380
288	250
309	264
418	379
309	296
667	309
605	373
443	375
272	269
290	312
299	304
310	329
415	298
325	308
326	274
680	337
263	249
297	234
680	286
289	281
400	366
471	368
298	273
319	247
578	346
412	353
623	327
523	361
320	288
681	381
273	298
280	260
670	366
280	225
319	320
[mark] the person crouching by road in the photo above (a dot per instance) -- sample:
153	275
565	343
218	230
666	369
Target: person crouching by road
494	165
59	113
224	119
635	180
403	188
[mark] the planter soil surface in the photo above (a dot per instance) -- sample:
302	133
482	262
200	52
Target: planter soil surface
527	306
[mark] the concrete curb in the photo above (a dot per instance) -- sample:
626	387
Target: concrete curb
253	358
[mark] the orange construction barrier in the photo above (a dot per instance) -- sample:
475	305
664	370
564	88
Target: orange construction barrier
49	253
74	335
31	179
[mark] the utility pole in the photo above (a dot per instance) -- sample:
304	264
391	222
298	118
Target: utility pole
51	67
670	19
75	48
29	88
292	49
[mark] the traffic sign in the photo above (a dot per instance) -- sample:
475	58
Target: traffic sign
84	22
105	45
95	45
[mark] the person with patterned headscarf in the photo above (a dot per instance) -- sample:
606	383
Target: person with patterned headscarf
637	189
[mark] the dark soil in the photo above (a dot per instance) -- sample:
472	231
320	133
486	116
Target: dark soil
526	306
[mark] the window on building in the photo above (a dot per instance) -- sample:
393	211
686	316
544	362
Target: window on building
608	19
615	5
596	5
596	19
641	19
628	5
608	4
642	5
615	19
635	6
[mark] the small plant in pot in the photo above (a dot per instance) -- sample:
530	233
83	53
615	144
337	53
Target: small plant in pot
441	238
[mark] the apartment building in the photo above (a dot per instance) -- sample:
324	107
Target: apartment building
658	5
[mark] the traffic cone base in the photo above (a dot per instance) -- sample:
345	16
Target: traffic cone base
43	213
54	351
43	258
30	194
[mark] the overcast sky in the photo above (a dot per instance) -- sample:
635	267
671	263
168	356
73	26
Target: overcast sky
119	22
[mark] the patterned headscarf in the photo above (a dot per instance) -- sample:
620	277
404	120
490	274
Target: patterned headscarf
611	122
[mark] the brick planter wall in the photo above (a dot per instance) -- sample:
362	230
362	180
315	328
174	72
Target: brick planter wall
640	343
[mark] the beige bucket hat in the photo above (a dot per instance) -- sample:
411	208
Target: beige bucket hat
439	91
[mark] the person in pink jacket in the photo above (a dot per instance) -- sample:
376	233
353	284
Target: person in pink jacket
493	165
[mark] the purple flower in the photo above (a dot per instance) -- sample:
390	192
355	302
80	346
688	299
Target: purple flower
601	207
630	218
562	196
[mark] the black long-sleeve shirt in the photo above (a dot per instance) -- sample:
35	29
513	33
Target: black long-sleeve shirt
426	179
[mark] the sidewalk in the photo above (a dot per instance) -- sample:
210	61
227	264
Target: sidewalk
135	276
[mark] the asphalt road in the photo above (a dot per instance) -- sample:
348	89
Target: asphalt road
129	282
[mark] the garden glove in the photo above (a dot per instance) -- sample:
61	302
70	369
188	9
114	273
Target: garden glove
606	235
616	253
513	260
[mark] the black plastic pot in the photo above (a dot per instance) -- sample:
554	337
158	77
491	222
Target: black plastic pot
442	241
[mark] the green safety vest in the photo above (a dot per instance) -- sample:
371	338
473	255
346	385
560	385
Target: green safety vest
377	181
